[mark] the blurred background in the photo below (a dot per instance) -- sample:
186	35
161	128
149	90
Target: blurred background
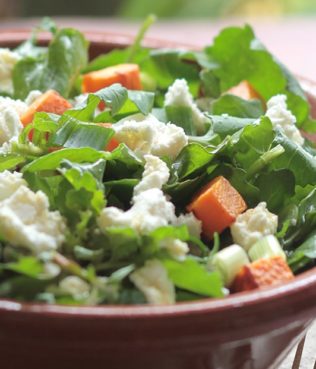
135	9
287	27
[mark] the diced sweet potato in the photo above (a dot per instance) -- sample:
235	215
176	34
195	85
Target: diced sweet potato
245	91
217	205
128	75
262	273
49	102
113	144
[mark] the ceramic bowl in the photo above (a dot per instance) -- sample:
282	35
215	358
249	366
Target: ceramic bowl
253	330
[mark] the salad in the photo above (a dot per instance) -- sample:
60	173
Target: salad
151	175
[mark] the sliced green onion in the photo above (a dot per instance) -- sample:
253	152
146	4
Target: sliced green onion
229	261
266	247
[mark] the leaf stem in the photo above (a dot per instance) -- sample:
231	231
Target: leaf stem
139	37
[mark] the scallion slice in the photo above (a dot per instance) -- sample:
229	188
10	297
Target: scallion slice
229	261
266	247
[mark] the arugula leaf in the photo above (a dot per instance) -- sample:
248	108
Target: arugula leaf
237	55
169	64
295	158
304	254
225	125
58	69
28	266
181	116
52	161
191	276
78	134
191	161
237	107
10	161
277	194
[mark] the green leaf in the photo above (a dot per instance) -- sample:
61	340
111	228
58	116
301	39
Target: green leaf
10	161
28	266
52	161
277	194
78	134
237	107
191	276
182	117
296	159
304	254
192	160
237	55
225	125
58	69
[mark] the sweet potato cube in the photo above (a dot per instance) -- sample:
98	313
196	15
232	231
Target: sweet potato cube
128	75
217	205
49	102
262	273
245	91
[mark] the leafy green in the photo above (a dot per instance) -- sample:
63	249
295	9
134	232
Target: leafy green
237	55
191	276
237	107
52	161
304	254
78	134
58	69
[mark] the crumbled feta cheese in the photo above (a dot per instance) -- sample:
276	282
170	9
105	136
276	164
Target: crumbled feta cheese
32	96
150	136
9	183
194	225
283	119
10	125
179	95
74	286
25	220
150	210
252	225
8	59
155	175
176	248
18	106
152	280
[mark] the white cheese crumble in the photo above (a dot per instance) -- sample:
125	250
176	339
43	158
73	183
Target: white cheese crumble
194	225
252	225
10	125
9	183
150	210
283	119
176	248
74	286
179	95
150	136
8	59
153	281
155	175
25	220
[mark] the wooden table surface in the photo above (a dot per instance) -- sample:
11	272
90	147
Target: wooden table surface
292	40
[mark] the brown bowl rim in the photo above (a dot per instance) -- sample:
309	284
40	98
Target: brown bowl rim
302	283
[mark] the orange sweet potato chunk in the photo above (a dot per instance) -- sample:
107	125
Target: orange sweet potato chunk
245	91
128	75
262	273
49	102
217	205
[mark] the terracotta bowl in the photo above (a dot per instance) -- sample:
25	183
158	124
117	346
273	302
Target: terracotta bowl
244	331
